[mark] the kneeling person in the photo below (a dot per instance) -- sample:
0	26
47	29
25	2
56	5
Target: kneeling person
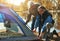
42	19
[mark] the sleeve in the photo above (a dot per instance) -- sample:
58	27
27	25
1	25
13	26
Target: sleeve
28	18
48	20
36	22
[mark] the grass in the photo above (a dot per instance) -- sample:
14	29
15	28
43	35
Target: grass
9	34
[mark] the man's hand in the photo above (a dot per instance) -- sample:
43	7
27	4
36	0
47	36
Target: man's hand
34	30
27	21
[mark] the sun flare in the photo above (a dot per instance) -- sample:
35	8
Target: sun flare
15	2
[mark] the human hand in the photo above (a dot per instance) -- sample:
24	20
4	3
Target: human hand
39	37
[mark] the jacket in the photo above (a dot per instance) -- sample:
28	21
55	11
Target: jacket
42	20
32	11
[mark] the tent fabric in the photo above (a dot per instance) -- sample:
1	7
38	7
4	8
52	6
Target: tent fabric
14	17
20	19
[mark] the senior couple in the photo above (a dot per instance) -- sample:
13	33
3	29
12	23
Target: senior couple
42	18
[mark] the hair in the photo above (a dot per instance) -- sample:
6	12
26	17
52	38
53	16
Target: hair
30	3
38	3
42	7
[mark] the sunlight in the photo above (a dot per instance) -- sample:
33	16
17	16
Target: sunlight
15	2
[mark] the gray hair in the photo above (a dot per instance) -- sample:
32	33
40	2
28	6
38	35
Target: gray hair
30	3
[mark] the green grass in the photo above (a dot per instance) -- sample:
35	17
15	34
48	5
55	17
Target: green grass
9	34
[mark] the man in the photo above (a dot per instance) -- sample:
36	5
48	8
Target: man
32	11
42	19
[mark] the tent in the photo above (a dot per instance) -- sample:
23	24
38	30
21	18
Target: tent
16	21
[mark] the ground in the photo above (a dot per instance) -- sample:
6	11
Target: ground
54	39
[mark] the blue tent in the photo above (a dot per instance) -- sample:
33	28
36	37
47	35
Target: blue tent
7	13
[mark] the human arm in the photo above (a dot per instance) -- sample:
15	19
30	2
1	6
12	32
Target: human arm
47	23
28	18
36	22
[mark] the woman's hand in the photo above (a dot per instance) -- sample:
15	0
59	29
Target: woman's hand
40	36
